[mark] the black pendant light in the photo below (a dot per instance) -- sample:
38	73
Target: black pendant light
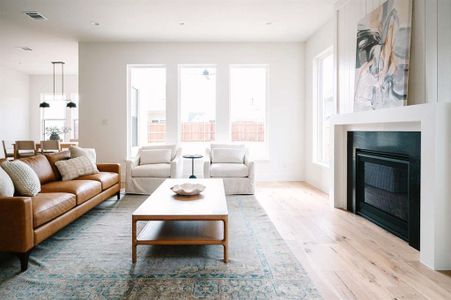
71	105
44	105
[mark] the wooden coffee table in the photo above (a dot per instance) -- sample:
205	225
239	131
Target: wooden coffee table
182	220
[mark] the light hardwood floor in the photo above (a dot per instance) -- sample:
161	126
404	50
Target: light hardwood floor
346	256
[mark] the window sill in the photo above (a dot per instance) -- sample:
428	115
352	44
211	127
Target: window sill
321	164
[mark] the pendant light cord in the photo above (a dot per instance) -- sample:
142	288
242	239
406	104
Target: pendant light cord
53	81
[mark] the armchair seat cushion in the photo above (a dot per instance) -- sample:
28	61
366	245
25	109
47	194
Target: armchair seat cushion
152	170
229	170
49	206
107	179
83	189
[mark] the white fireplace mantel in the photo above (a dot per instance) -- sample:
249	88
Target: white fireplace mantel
434	122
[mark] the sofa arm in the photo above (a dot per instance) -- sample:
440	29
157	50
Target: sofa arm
114	168
177	165
16	224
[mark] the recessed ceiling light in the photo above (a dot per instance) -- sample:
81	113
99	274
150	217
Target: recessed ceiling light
94	23
268	23
181	23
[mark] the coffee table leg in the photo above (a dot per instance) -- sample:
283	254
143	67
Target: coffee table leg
226	240
133	240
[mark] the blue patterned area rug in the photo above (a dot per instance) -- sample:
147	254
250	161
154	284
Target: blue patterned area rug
91	259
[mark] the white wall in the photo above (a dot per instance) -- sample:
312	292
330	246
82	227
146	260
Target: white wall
44	84
430	50
324	38
14	104
103	92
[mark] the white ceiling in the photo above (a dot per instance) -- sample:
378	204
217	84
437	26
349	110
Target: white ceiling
69	21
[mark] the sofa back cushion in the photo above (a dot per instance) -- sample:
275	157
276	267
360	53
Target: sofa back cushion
76	167
6	184
42	168
26	181
54	157
155	156
227	155
173	149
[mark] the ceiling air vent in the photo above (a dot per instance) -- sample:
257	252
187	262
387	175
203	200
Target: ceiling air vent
35	15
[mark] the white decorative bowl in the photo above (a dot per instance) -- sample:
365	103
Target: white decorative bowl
188	189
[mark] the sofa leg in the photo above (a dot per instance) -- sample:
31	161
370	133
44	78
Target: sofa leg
24	256
118	195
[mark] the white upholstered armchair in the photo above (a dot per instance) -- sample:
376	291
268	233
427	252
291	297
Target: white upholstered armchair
232	163
151	166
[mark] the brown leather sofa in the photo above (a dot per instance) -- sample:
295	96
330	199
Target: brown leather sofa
27	221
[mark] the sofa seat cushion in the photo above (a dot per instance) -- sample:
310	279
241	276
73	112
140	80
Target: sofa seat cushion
49	206
229	170
83	189
107	179
152	170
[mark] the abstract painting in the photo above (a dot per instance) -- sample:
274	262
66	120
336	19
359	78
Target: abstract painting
382	57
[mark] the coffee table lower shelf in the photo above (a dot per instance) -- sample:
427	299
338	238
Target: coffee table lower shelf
181	232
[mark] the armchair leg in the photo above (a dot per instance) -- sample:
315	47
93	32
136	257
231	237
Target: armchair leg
24	257
118	195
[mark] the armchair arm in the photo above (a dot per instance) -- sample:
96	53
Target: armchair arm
177	165
250	164
16	224
129	165
207	163
114	168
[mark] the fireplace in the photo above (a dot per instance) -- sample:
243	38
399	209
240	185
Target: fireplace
384	180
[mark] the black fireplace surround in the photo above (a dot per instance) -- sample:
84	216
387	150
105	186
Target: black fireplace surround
384	180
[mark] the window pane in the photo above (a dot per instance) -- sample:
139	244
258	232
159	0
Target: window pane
148	105
325	105
248	103
198	96
57	110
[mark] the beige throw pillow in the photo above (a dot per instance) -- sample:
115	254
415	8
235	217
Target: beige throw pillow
6	184
76	167
90	153
25	180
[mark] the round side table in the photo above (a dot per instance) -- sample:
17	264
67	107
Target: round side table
192	157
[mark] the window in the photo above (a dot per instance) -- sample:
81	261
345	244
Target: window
324	105
198	97
147	105
248	103
58	115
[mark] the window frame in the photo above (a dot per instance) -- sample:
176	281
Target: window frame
318	105
130	150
